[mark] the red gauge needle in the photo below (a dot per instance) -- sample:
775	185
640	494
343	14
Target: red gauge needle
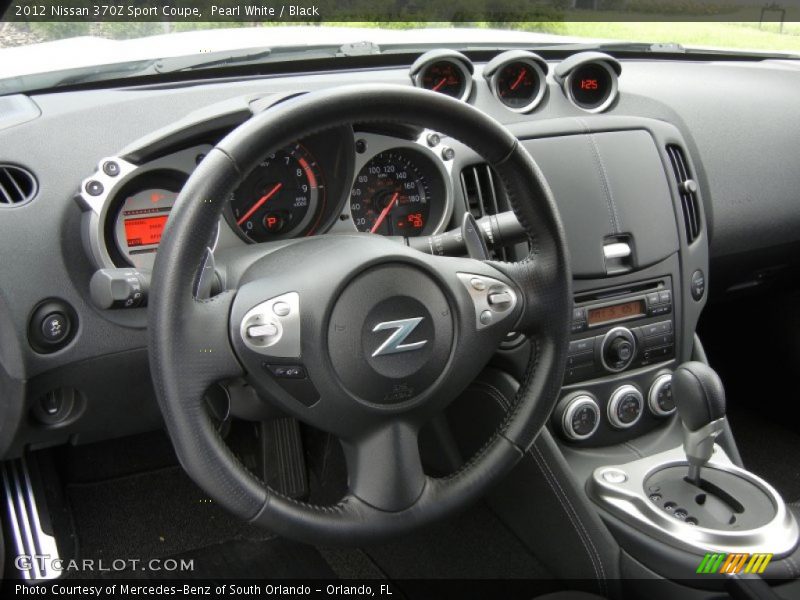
519	79
260	203
439	85
384	212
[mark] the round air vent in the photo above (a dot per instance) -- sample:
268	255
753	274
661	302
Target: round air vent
17	186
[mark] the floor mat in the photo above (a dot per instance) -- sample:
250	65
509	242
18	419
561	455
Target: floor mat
273	559
474	545
150	515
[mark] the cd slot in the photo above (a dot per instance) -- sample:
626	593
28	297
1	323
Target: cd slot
610	294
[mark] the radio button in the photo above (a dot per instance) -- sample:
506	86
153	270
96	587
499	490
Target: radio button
661	310
579	346
658	340
579	372
575	360
652	299
665	297
618	349
651	354
656	328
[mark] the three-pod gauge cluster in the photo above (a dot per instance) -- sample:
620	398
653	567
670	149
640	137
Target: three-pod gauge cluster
518	78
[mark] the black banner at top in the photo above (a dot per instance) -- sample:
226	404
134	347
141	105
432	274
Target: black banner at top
403	11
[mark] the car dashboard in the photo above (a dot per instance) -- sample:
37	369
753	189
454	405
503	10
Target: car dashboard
656	187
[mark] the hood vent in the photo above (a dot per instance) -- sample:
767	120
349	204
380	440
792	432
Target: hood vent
17	186
687	187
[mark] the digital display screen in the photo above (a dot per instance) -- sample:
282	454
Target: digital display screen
144	232
590	85
617	312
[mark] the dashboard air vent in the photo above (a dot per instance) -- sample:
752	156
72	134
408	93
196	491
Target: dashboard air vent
17	186
687	187
483	194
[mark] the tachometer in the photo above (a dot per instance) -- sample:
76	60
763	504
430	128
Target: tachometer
393	194
282	197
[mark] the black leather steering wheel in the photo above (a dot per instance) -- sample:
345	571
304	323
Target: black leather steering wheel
387	336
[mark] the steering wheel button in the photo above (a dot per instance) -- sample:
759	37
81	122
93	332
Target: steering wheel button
263	330
499	298
486	317
287	371
478	284
281	309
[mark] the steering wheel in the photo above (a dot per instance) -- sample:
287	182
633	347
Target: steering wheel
377	337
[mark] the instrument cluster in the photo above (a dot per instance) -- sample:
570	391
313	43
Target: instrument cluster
339	181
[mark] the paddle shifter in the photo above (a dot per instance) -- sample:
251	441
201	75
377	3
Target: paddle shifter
700	398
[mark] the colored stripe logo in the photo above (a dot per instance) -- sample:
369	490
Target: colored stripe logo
734	563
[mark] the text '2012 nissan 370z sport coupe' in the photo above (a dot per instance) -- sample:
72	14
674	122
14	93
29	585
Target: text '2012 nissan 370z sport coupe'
410	311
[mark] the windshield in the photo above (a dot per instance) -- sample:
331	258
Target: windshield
92	51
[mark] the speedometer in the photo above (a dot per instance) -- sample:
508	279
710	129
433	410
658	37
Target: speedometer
282	197
396	194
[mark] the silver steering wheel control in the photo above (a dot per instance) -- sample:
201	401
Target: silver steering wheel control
272	328
493	300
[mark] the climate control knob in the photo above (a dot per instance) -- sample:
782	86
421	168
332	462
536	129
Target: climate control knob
618	349
625	407
660	397
580	416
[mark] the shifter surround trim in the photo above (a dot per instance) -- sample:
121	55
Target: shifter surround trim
629	501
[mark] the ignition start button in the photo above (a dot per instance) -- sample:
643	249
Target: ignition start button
52	325
55	327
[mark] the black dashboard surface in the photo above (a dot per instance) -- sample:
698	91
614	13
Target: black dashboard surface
738	120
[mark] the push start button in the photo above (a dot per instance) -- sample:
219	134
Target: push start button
52	325
55	327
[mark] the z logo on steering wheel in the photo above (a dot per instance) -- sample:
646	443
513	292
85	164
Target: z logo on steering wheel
394	343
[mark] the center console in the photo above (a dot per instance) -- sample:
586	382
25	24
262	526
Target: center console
636	458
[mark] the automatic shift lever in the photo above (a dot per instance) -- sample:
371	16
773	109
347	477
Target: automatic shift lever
700	398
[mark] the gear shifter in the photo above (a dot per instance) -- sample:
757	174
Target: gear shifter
728	507
700	398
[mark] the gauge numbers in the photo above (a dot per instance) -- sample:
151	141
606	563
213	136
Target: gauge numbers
391	196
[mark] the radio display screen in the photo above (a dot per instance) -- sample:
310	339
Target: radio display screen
616	312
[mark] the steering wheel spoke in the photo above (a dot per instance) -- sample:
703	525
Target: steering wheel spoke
384	467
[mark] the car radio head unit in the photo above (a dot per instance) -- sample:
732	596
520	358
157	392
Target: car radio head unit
630	327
